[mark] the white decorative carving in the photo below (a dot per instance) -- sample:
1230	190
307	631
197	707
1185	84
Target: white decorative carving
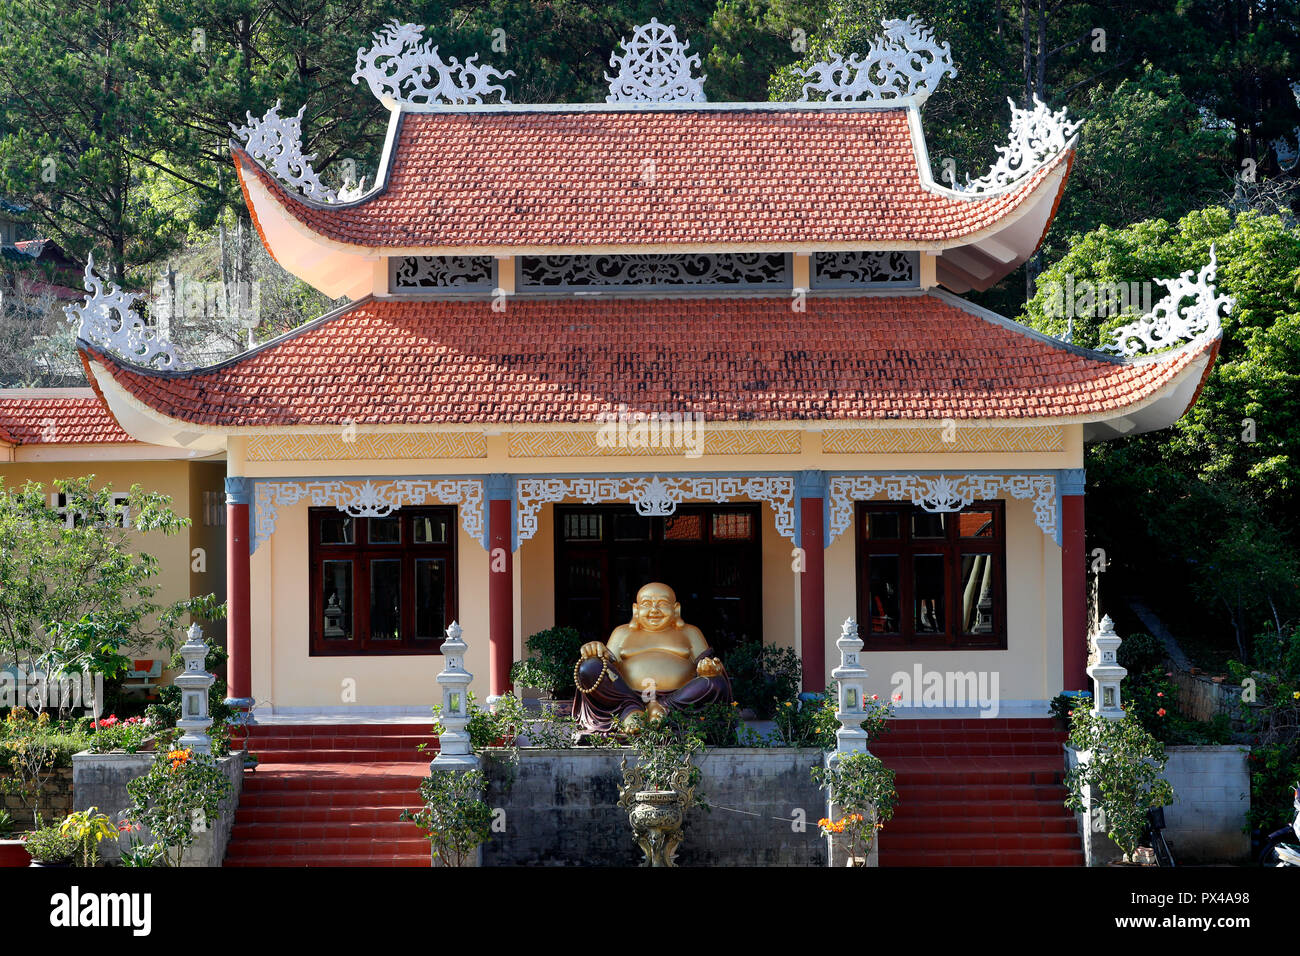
1170	322
420	273
724	269
654	68
369	499
1037	135
941	493
126	334
275	141
906	61
655	496
402	68
863	268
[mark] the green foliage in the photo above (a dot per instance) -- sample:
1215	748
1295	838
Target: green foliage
178	798
1207	506
6	824
1063	705
1273	726
664	748
1122	767
1141	652
125	736
50	845
73	598
31	749
863	789
455	818
764	676
554	652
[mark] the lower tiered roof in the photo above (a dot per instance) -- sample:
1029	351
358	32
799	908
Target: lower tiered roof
910	357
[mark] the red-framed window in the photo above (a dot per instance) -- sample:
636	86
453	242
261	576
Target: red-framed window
931	580
382	585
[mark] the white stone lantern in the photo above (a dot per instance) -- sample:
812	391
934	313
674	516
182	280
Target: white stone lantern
1106	674
850	677
194	682
454	750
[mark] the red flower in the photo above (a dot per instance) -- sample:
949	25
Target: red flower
1161	711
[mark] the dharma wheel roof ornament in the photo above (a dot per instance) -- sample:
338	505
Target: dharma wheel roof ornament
107	319
1037	136
1170	323
654	68
403	69
905	62
275	141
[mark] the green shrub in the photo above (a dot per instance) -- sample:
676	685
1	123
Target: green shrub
549	668
764	677
1141	653
455	818
48	845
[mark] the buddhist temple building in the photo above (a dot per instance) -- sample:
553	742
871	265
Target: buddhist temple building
588	346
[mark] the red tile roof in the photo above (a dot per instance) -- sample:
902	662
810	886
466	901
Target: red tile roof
77	419
764	177
567	360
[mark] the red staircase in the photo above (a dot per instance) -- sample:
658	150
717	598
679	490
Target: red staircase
975	792
331	795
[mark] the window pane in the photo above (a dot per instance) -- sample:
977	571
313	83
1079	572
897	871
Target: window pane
430	598
684	527
926	525
975	524
584	577
882	524
385	600
733	526
430	529
385	530
882	593
927	584
584	526
336	592
336	529
978	576
631	527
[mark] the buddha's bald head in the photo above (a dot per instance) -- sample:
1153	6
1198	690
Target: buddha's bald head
656	607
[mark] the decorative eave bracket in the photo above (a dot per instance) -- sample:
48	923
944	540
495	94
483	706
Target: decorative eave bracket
107	319
905	62
1038	136
275	143
1170	322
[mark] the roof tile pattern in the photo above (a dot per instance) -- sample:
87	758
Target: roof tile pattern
646	178
58	421
568	360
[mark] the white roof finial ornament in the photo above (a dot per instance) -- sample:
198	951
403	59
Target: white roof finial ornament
654	68
905	62
1169	322
1287	155
275	141
107	319
1037	135
403	69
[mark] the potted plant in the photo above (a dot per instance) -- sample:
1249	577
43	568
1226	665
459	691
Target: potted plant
50	847
659	789
863	789
177	798
13	851
455	818
549	666
1118	775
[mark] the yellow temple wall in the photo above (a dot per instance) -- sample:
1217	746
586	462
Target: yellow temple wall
285	675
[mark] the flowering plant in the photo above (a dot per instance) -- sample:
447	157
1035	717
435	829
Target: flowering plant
863	789
127	735
177	799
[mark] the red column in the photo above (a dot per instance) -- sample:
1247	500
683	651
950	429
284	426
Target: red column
812	595
501	593
239	643
1074	595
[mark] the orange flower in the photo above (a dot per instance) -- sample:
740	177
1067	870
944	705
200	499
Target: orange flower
179	757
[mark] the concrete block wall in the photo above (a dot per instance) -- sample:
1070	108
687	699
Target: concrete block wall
99	780
561	809
1207	821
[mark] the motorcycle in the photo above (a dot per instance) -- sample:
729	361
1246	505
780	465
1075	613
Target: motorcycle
1277	850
